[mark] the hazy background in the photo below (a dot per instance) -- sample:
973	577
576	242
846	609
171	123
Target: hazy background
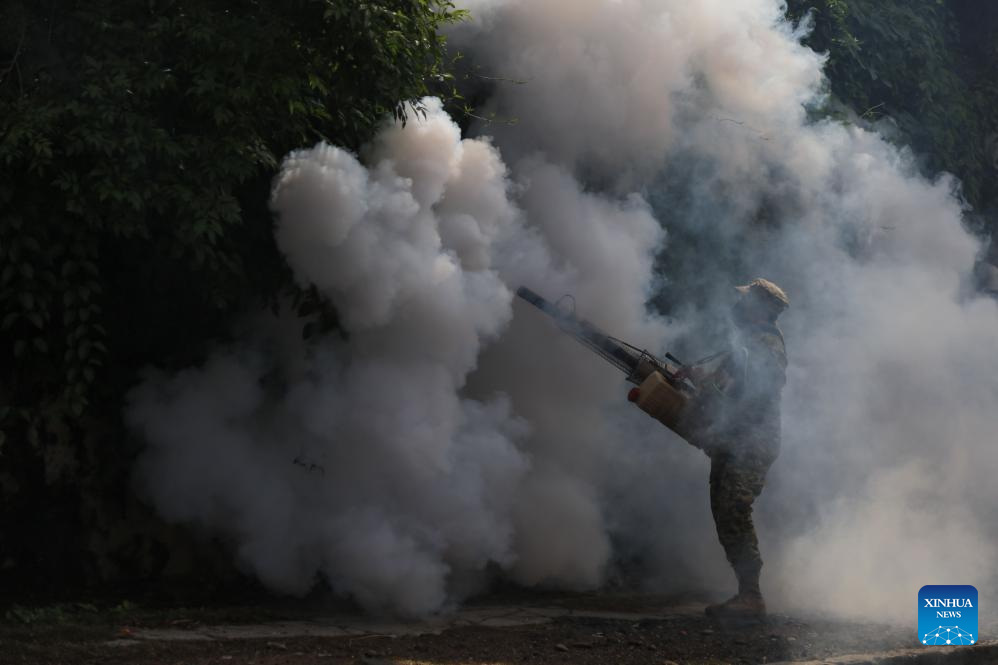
642	151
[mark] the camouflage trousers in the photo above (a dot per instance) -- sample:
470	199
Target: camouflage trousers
734	485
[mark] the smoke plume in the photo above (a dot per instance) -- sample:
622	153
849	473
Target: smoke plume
642	152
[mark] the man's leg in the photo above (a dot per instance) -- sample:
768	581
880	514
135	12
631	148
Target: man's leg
734	486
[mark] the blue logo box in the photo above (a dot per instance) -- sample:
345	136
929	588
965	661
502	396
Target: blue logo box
947	615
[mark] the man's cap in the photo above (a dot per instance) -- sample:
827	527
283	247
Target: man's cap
768	291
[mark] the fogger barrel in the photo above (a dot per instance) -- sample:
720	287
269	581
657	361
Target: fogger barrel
660	392
613	350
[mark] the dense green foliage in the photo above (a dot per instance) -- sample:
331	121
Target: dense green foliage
931	66
137	142
130	131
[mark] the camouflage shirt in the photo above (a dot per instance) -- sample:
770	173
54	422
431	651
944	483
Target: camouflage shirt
737	410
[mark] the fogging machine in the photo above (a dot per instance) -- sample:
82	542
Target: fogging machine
662	391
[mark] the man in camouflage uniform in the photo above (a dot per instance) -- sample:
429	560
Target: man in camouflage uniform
735	420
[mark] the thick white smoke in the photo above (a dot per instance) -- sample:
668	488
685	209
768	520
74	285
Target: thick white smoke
399	484
364	459
888	412
452	430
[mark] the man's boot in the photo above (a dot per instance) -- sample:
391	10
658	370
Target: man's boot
747	605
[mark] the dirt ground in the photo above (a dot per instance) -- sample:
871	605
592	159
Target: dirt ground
581	629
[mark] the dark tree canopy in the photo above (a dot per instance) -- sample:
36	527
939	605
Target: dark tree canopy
137	143
137	138
929	65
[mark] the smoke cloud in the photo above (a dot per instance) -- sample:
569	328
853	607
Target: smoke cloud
661	151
